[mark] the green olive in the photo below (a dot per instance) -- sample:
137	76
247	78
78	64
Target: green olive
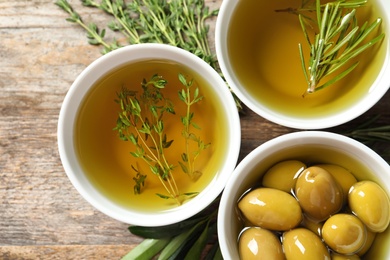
370	203
344	233
344	257
258	243
342	176
271	209
282	176
312	225
302	244
368	243
319	195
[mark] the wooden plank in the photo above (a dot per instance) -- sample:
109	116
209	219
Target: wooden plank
41	215
81	252
40	56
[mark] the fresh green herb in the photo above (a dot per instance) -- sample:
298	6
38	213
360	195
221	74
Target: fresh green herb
373	134
147	249
368	133
141	121
187	239
123	22
139	179
189	158
176	22
339	39
196	248
94	35
181	23
168	230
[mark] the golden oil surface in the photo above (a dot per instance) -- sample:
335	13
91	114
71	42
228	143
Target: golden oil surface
263	51
107	160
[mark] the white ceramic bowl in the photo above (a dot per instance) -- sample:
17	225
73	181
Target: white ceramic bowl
350	154
341	113
67	124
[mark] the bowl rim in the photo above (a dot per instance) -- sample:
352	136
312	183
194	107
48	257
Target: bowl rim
378	89
69	110
249	162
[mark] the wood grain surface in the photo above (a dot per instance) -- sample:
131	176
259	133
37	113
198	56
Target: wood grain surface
41	215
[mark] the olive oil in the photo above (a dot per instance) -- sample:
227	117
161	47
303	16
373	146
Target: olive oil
263	51
107	160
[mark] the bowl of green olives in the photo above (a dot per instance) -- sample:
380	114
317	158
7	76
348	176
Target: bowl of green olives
307	195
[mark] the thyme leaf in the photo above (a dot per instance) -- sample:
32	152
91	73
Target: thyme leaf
181	23
139	179
141	121
94	35
188	158
176	22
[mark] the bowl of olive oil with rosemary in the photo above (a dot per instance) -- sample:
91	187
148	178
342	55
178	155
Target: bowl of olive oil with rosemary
149	134
306	64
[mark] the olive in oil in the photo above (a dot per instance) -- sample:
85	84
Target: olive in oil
314	155
263	52
106	159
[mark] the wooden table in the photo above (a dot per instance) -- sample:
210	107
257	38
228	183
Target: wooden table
41	215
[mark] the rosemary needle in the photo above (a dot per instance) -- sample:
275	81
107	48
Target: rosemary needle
339	39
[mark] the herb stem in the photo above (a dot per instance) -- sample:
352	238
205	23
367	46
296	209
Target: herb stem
141	121
338	41
189	157
181	23
157	17
121	18
187	130
92	30
172	190
94	34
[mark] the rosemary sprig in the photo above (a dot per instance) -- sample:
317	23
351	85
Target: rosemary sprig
373	134
141	121
339	39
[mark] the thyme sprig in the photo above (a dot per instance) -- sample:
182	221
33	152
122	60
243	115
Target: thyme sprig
139	179
339	39
122	22
94	35
141	121
144	115
189	158
180	23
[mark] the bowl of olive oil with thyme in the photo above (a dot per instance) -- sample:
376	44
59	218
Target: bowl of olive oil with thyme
149	134
305	64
